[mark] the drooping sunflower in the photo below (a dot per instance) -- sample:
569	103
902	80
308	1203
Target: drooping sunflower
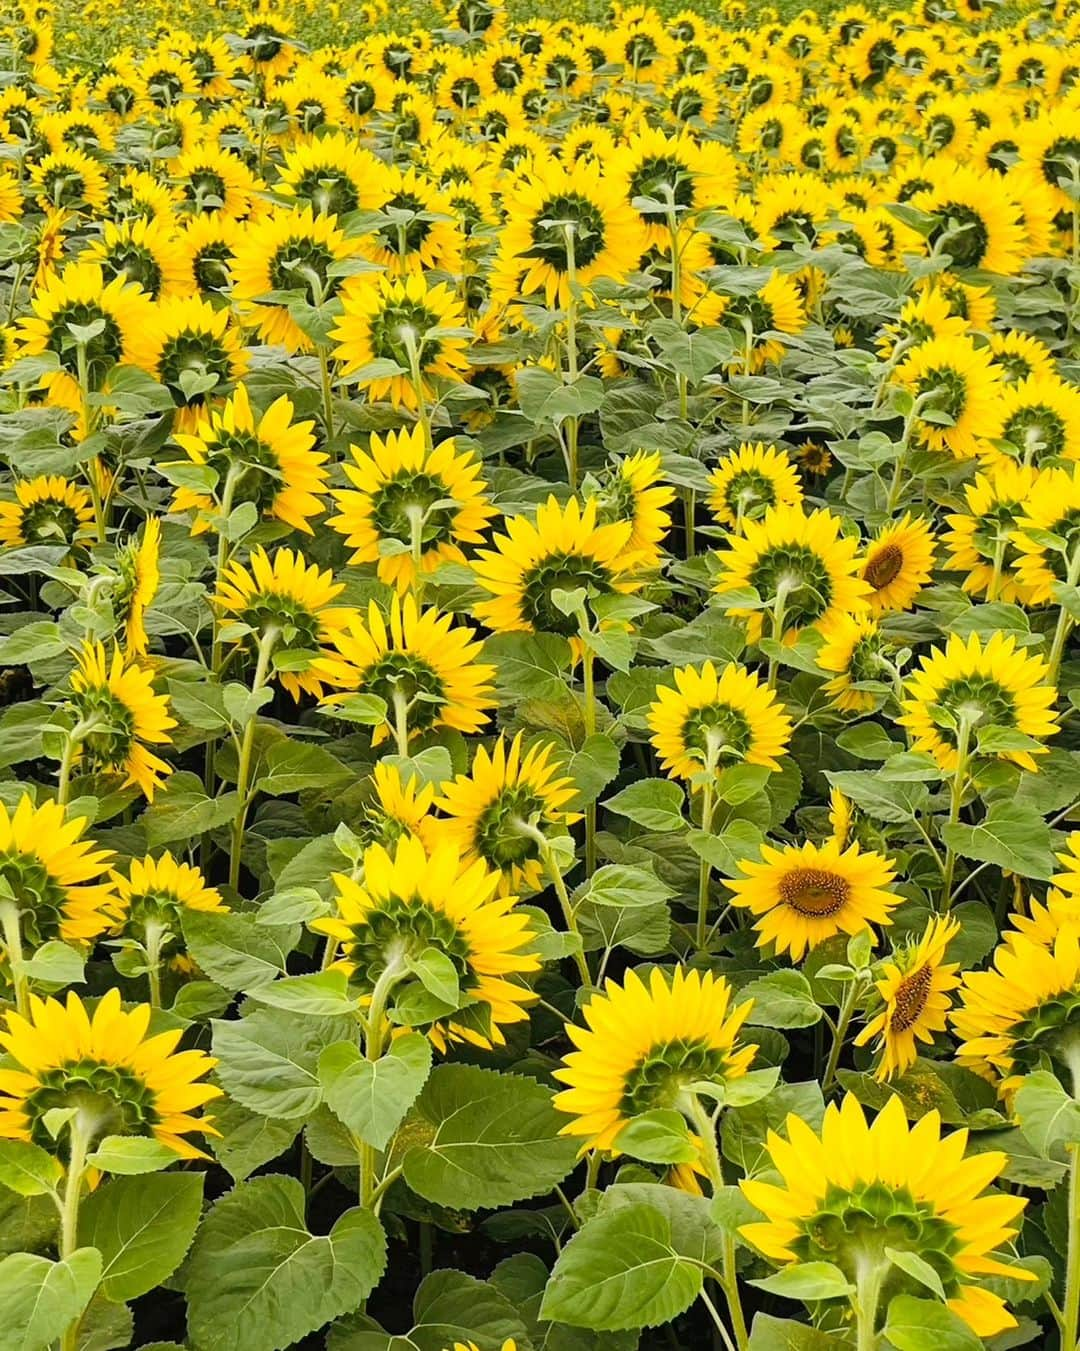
994	685
486	806
55	873
430	501
644	1048
424	667
49	509
333	174
118	1080
139	576
750	480
982	539
802	895
1038	419
776	307
547	207
292	600
386	320
914	988
898	563
563	549
115	701
855	650
288	249
269	460
801	567
962	382
716	720
410	902
855	1189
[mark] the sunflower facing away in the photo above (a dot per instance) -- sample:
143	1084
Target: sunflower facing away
645	1046
802	895
898	563
425	500
750	480
856	651
505	788
1052	508
410	902
996	685
914	988
115	703
718	720
48	509
119	1080
956	378
856	1189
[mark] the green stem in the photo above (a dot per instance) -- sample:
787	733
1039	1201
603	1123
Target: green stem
1064	621
416	375
705	1128
243	772
590	730
401	721
843	1022
416	516
865	1305
63	785
956	797
571	353
704	866
152	938
79	1139
375	1028
11	929
551	864
327	391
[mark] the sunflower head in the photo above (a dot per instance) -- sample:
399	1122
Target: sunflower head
49	509
750	480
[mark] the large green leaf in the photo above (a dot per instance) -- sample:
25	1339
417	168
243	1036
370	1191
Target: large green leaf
143	1227
269	1060
39	1299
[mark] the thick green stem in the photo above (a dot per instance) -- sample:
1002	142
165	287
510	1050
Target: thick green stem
865	1305
704	866
11	928
590	730
956	797
416	375
705	1128
1064	621
375	1030
552	866
571	354
152	939
843	1022
243	772
327	391
79	1139
401	721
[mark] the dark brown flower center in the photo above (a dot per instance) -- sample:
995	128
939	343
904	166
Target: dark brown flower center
884	566
814	892
910	998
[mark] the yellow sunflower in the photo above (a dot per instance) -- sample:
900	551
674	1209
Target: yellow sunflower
898	563
645	1046
70	180
411	902
424	501
214	182
888	1185
982	540
333	174
709	721
486	807
855	651
996	685
1052	508
423	666
268	460
802	895
397	806
1038	419
49	509
750	480
137	563
146	252
117	1080
980	224
420	232
914	988
958	379
195	350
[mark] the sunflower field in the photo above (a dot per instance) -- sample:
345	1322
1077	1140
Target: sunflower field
540	667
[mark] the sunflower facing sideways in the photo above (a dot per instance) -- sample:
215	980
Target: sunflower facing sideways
119	717
269	460
117	1080
422	665
855	1190
802	895
898	563
644	1048
982	539
137	584
1052	509
855	651
914	988
427	501
49	509
993	685
410	902
634	491
711	720
505	789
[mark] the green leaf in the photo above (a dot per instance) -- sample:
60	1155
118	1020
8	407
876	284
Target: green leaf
926	1325
918	1269
438	975
485	1139
324	994
784	1334
617	885
657	1137
807	1281
1046	1113
293	765
28	1169
1012	837
143	1227
183	811
235	951
248	1141
656	804
372	1097
886	800
592	768
39	1299
54	963
257	1280
532	666
269	1060
131	1155
781	999
37	641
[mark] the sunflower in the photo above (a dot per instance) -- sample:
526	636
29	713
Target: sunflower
914	988
855	651
396	807
800	566
1052	508
287	250
709	721
419	232
426	501
146	252
633	491
117	1080
411	902
1020	355
55	873
1037	419
118	712
194	350
292	600
921	318
804	895
563	549
677	170
898	563
856	1189
1050	150
958	379
644	1049
139	575
269	460
547	208
333	174
424	667
750	480
974	686
982	539
980	225
214	182
382	319
49	509
208	244
486	807
70	180
776	307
